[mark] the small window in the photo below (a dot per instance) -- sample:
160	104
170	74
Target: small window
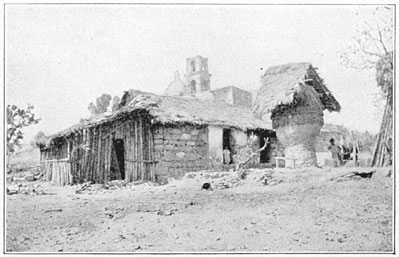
192	66
193	87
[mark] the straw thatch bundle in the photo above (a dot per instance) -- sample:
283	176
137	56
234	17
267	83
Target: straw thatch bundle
383	155
280	88
294	97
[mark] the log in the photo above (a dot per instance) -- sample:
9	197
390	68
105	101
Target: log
107	153
136	156
141	150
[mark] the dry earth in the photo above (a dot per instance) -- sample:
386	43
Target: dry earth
305	210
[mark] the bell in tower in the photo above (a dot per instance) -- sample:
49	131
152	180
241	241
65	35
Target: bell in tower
197	76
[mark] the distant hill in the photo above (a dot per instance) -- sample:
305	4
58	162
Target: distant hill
328	131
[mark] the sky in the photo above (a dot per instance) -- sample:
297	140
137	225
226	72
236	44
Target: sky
61	57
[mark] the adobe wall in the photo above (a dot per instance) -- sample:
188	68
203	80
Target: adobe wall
216	143
223	94
242	98
180	149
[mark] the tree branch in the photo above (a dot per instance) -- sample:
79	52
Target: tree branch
380	39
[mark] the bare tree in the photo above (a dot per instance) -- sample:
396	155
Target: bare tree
372	40
372	48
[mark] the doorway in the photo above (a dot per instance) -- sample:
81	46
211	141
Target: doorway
118	160
227	149
265	154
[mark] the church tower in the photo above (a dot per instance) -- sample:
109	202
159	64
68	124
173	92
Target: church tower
197	76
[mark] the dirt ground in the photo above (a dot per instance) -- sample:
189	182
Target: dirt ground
307	210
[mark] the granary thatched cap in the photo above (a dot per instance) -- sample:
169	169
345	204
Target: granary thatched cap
177	87
280	87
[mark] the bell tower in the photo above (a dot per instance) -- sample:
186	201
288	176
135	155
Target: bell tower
197	76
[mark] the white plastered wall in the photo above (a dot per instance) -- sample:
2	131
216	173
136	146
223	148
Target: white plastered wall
216	142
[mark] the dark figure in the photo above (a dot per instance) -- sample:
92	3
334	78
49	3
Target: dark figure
346	152
335	152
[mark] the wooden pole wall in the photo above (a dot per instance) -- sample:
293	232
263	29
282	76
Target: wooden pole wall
86	153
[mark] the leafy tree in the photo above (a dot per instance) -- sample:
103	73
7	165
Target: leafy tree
101	105
115	103
39	139
17	119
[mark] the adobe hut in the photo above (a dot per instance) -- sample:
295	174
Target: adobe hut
294	97
147	138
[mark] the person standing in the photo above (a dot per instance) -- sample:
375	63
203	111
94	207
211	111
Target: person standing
226	156
335	152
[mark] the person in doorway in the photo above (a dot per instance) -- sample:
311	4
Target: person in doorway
226	156
335	152
345	149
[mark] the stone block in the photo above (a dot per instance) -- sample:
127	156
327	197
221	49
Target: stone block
158	141
169	147
204	137
175	131
180	155
158	148
162	169
191	156
194	132
185	136
191	143
168	156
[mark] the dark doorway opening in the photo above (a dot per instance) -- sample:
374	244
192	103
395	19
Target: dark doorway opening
118	160
227	149
265	154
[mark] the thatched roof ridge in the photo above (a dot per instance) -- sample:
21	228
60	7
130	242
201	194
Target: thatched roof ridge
280	83
175	110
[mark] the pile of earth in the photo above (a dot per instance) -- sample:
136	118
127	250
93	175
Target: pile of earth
30	175
24	188
90	187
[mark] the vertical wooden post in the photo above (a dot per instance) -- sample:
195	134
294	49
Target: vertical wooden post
151	153
136	157
141	148
107	153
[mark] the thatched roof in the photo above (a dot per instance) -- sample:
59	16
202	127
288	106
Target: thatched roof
280	87
177	109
